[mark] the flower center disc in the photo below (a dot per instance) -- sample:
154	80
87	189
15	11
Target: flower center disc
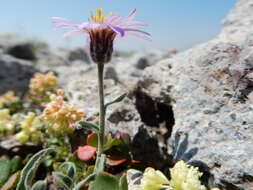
99	17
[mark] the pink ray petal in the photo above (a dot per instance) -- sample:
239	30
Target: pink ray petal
83	26
136	30
118	30
73	32
113	19
132	14
139	35
60	19
64	25
136	24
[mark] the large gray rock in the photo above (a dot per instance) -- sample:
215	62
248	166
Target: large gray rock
33	51
22	47
15	74
211	89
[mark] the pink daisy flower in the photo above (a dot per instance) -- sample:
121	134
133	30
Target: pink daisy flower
102	31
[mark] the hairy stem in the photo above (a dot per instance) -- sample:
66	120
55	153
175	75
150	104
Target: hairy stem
102	108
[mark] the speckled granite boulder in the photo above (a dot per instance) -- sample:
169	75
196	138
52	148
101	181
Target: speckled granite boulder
211	91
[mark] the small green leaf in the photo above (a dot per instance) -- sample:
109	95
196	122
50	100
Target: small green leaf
104	182
87	125
5	170
16	164
92	140
40	185
123	183
110	142
119	99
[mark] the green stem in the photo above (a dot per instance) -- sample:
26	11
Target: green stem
102	108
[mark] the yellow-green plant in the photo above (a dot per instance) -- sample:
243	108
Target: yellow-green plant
7	125
8	98
185	177
30	129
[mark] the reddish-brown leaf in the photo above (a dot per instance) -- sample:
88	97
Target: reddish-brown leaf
116	162
86	153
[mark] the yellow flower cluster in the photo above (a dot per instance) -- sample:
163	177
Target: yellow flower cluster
42	86
183	177
30	132
8	98
60	116
7	125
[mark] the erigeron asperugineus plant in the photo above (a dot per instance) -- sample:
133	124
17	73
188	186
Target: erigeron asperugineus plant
60	117
102	31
